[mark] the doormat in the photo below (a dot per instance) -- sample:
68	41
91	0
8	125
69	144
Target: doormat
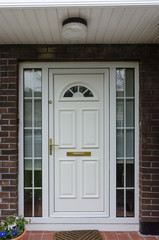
78	235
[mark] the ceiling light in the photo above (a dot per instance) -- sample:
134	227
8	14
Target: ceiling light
74	28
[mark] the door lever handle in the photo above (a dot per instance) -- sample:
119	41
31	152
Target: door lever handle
51	145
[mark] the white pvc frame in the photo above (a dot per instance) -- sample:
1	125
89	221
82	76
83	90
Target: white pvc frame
111	223
105	213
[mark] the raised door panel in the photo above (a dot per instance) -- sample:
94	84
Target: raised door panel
90	183
67	179
67	128
90	128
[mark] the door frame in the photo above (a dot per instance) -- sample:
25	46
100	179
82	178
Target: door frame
112	222
105	73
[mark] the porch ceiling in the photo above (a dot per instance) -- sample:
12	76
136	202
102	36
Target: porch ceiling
108	21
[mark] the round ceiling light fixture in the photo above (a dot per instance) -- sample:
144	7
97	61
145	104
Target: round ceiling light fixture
74	28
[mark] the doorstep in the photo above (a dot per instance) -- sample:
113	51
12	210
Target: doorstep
48	235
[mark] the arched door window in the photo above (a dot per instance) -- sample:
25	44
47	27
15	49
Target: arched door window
78	91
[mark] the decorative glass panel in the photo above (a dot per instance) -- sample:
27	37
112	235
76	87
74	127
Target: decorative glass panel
37	113
37	143
120	173
78	92
32	143
38	202
130	113
130	82
28	173
125	152
120	113
130	143
120	82
120	203
28	113
120	143
27	143
130	173
130	202
37	173
28	203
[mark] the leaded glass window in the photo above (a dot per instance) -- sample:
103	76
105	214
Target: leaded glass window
32	143
125	135
78	92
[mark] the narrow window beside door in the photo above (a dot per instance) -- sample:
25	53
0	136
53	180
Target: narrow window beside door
125	135
32	143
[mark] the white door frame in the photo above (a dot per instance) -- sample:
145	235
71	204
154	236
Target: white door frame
105	73
111	223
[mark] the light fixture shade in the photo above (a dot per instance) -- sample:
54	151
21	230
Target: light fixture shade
74	28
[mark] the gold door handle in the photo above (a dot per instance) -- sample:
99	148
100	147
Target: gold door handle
51	145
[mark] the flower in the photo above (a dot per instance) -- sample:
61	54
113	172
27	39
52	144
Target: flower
14	233
12	227
3	233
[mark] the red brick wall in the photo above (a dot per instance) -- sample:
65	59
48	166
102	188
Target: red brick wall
149	143
148	58
8	136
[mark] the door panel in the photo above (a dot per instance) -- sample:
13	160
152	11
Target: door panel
78	128
67	128
90	128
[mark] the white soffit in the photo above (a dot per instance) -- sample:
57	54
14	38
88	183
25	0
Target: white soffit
109	22
63	3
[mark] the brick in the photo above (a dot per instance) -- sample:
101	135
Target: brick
155	177
4	146
4	182
150	195
8	212
3	122
3	158
9	116
4	194
14	122
9	152
13	158
13	194
9	79
9	164
13	134
13	170
4	170
155	201
13	206
9	200
9	188
4	206
3	110
9	176
149	170
13	182
9	140
13	146
9	128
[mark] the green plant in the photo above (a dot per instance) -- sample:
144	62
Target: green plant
12	227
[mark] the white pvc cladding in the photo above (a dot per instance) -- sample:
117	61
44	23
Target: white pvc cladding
73	3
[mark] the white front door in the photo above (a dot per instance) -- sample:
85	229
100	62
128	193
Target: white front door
78	127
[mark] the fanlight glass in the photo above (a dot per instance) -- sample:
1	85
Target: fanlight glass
78	92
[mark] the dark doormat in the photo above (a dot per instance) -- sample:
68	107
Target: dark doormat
78	235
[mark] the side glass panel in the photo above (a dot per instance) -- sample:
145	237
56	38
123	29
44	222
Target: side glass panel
32	143
125	137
